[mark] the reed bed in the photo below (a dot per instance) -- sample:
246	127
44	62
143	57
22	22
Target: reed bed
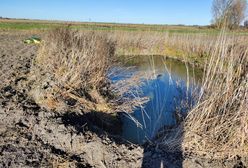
192	48
217	127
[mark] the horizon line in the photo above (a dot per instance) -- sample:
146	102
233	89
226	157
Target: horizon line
121	23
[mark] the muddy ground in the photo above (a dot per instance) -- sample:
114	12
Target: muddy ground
31	136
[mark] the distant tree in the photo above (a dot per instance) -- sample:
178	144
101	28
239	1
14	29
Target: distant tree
229	13
246	24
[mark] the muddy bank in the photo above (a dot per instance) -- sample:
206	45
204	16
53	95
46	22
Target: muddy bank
31	136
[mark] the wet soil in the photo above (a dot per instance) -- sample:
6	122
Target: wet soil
31	136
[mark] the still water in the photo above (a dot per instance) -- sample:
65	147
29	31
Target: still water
169	91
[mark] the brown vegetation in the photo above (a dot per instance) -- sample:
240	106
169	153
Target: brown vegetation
72	66
193	48
217	126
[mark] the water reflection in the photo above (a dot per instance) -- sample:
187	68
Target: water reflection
170	86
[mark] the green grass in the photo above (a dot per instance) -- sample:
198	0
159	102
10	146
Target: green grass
29	25
18	24
15	24
25	26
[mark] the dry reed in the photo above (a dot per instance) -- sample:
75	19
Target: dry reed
71	65
74	66
217	127
192	48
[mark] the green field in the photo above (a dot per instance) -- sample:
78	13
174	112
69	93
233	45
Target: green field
13	24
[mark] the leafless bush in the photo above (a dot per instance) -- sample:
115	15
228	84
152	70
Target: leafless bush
228	13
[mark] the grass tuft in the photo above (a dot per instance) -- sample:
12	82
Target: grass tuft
72	66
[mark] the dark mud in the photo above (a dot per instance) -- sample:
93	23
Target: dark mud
31	136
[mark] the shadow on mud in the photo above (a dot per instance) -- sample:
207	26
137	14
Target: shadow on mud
107	124
102	124
97	122
165	149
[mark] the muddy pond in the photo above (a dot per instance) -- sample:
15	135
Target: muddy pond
169	88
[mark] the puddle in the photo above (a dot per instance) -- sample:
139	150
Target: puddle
170	87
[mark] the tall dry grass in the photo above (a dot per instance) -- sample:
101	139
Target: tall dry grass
77	59
217	127
75	67
72	65
192	48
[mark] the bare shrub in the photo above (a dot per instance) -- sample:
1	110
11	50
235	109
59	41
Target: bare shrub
228	13
246	24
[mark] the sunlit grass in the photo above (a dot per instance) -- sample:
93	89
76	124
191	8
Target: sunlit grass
29	24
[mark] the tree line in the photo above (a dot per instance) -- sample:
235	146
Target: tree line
229	13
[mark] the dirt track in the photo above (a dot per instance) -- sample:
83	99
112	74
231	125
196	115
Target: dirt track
34	137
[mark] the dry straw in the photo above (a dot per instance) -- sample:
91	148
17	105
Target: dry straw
218	125
72	65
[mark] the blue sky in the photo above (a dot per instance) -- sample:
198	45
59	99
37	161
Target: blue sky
190	12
